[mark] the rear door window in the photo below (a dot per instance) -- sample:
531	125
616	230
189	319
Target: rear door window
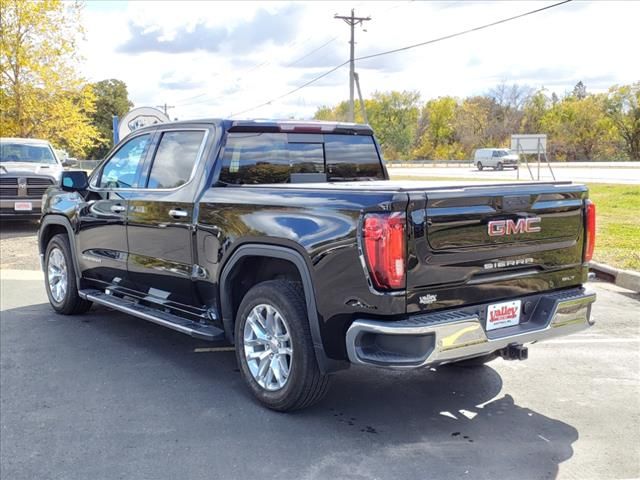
262	158
352	158
175	158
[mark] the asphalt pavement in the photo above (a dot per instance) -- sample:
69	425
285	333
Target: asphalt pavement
107	396
596	173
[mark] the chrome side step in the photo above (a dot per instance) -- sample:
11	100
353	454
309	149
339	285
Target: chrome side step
174	322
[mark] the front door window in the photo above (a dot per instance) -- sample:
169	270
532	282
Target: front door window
123	168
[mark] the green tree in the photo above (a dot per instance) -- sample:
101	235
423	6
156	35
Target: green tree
392	115
506	111
534	111
112	98
472	124
580	91
394	118
340	113
40	92
580	130
437	137
623	108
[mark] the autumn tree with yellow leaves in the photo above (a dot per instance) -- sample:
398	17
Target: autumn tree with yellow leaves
41	92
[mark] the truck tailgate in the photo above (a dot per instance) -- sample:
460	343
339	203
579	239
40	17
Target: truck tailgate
475	244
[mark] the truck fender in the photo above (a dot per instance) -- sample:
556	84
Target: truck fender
63	221
324	363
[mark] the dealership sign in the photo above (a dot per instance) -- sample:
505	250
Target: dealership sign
138	118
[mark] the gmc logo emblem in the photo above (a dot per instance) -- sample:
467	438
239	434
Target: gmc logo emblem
501	228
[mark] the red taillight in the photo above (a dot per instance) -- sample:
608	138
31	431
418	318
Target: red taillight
384	249
590	230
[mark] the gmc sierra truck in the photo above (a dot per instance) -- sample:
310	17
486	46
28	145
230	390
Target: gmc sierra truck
289	241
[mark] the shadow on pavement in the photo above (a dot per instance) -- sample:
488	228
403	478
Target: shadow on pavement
105	395
17	228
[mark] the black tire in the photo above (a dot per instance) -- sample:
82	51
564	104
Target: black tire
479	165
305	385
500	166
475	362
70	303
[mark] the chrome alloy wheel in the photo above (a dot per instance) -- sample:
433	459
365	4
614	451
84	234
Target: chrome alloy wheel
57	274
267	347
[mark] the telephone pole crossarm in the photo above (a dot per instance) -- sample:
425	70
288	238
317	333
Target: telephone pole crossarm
165	108
352	21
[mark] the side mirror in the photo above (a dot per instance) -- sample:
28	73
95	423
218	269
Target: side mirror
74	181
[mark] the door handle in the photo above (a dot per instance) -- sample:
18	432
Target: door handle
118	208
178	213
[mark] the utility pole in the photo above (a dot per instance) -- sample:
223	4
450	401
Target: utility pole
166	108
352	21
362	109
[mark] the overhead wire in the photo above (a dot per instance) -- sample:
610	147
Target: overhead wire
257	67
400	49
463	32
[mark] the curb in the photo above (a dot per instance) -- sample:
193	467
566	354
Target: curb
623	278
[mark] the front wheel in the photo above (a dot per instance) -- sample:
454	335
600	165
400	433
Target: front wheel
60	278
500	166
274	347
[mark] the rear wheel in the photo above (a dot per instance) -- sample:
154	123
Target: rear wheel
274	348
479	165
60	278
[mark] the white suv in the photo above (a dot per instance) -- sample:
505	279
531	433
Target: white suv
496	158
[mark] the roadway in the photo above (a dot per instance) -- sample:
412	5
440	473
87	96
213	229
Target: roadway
616	172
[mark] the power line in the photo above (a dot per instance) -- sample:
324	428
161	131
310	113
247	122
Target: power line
312	52
292	91
299	59
388	52
464	32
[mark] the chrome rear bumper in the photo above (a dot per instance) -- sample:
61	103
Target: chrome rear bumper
445	337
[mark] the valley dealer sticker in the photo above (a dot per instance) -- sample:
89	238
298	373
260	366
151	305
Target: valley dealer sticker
504	314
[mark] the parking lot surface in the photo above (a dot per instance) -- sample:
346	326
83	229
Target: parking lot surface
107	396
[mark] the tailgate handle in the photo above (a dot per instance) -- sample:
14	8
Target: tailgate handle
516	202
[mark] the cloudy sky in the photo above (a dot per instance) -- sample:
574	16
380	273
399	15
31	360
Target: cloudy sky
215	59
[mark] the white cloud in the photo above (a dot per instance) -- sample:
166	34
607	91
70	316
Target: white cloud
588	41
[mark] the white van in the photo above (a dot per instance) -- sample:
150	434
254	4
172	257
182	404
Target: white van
496	158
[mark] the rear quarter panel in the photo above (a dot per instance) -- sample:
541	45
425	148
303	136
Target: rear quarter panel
322	225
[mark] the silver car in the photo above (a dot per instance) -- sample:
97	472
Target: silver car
27	168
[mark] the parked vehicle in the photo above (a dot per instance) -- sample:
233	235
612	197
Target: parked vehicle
496	158
27	168
289	241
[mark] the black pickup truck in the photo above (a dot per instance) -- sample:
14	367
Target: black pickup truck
288	240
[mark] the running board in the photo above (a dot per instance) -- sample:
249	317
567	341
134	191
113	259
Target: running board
174	322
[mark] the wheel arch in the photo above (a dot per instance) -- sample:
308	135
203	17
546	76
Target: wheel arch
294	258
51	225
